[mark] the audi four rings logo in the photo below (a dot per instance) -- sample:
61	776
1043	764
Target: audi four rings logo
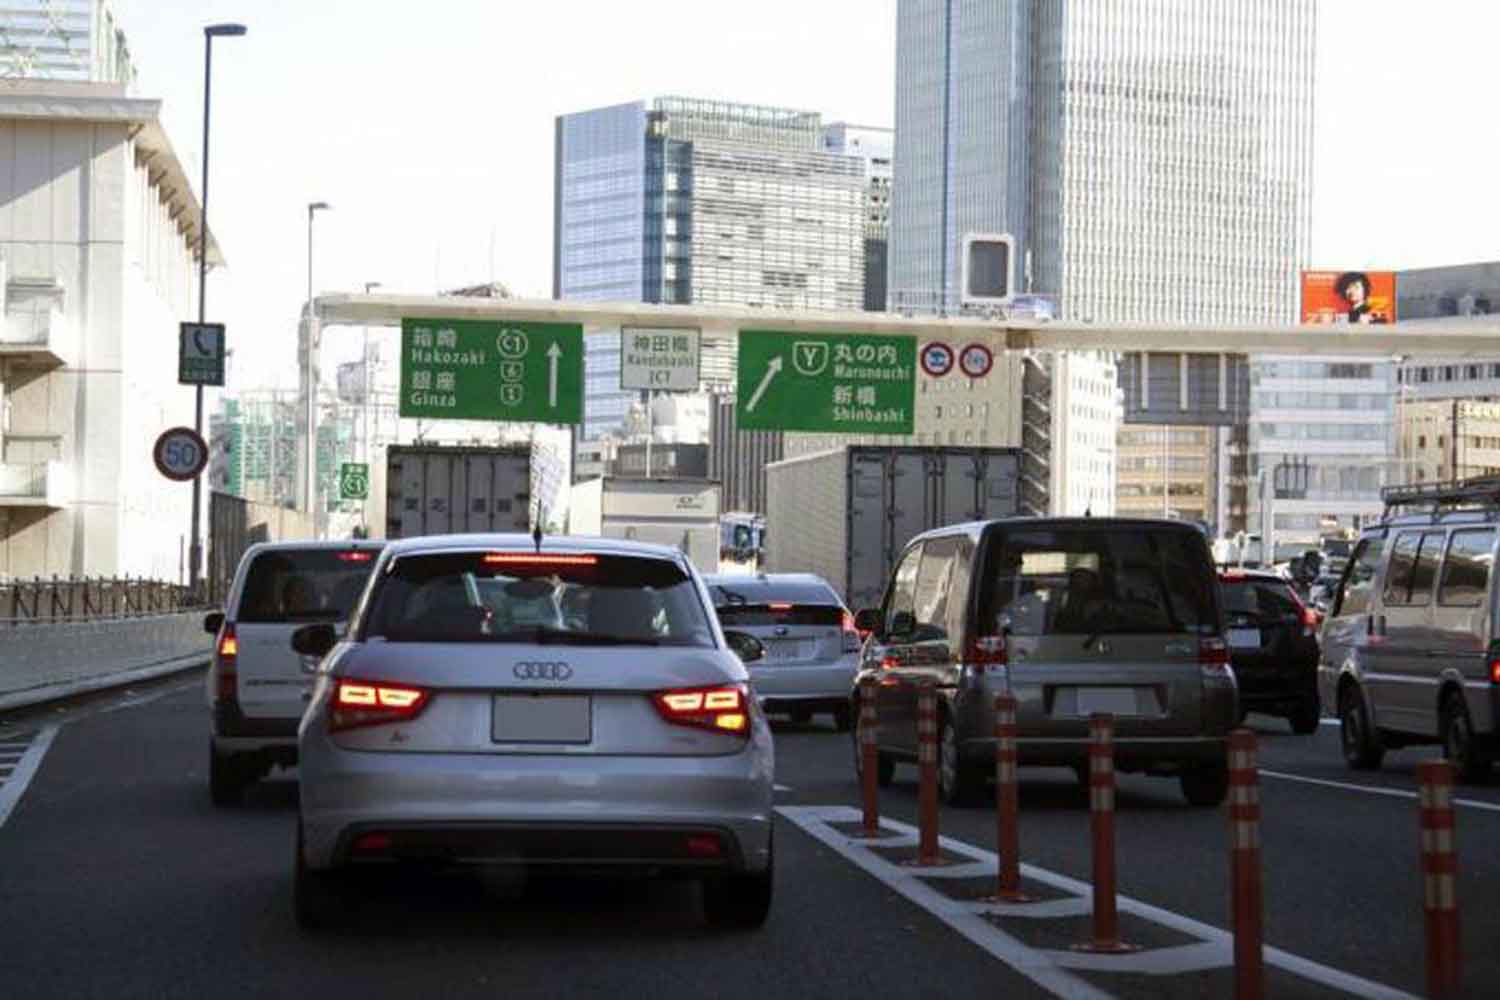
542	670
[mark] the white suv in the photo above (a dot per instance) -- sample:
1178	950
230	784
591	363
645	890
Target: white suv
257	689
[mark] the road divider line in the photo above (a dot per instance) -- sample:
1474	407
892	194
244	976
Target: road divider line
1048	969
15	785
1398	793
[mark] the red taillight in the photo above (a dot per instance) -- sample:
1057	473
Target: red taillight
371	842
1495	670
852	639
986	651
226	654
705	845
537	559
721	709
355	556
374	703
1213	655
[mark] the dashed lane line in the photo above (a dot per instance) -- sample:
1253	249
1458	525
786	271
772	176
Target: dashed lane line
1395	793
15	784
1050	969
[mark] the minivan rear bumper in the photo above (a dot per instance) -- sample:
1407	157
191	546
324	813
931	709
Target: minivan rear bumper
1163	754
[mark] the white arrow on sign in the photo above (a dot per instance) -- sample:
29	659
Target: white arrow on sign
765	383
553	353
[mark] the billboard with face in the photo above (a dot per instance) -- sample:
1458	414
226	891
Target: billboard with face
1348	297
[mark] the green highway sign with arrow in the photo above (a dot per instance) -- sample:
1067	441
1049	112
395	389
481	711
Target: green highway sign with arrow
486	370
843	383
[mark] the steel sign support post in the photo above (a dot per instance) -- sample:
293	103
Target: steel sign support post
309	362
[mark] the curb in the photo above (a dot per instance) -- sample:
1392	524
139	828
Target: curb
33	696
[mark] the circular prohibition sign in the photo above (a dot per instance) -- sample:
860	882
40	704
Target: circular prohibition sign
976	360
180	453
937	359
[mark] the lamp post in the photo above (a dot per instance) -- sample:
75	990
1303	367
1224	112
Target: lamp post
310	378
195	551
364	507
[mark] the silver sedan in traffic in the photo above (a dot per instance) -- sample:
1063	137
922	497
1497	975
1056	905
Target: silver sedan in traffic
453	724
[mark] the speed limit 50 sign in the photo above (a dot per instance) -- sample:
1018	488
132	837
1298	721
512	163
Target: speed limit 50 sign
180	453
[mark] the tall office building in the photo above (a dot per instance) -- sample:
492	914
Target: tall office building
73	40
703	202
1153	161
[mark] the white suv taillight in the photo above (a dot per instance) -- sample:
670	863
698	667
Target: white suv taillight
721	709
374	703
226	660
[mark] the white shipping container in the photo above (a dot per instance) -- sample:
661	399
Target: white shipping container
439	490
681	513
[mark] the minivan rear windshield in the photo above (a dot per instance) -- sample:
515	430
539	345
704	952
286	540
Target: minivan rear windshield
1084	580
302	585
565	598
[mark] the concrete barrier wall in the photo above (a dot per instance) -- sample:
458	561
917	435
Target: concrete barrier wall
40	662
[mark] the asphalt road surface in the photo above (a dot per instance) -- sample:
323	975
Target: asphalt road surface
119	879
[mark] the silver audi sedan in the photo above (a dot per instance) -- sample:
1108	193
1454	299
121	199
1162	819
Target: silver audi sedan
562	702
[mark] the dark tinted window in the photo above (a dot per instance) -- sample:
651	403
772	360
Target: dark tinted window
304	585
1081	580
572	598
1265	601
1424	573
751	601
1359	580
1466	570
1398	571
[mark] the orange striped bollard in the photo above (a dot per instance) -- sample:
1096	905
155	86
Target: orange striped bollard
1102	827
1007	809
1245	880
869	757
1439	875
927	797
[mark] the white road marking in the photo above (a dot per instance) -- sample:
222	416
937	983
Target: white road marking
1397	793
147	699
783	788
1048	968
15	785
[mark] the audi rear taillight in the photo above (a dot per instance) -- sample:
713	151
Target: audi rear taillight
720	709
374	703
852	639
226	655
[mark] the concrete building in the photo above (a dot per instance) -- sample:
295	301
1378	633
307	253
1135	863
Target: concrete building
1086	415
74	40
1448	439
737	459
876	147
98	235
1467	293
1166	470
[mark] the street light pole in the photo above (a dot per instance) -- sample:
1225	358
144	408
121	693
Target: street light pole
364	507
195	548
310	370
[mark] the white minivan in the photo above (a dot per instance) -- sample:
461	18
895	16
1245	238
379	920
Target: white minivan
256	686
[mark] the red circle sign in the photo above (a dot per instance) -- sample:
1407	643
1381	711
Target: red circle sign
180	454
937	359
976	360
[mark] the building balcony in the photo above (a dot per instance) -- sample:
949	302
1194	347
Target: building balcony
34	328
35	484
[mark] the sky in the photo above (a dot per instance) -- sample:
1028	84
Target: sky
429	129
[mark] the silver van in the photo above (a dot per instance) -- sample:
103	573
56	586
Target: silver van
1409	646
1073	616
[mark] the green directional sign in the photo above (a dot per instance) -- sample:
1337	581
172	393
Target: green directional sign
486	370
844	383
354	481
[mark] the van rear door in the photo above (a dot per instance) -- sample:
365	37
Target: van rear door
1104	617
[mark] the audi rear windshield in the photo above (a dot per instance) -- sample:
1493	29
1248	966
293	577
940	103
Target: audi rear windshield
568	598
304	585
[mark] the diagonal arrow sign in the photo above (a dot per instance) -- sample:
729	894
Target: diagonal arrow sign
765	383
553	353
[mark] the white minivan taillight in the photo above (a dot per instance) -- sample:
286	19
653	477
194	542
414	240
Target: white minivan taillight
374	703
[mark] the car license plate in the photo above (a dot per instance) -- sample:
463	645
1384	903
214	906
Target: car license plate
542	717
1114	700
787	649
1244	638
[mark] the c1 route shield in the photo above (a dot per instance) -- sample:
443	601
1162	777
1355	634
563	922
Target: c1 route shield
844	383
488	370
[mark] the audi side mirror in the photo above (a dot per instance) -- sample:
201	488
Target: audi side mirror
213	621
870	621
315	640
748	648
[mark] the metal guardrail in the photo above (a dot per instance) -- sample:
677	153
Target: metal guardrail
79	599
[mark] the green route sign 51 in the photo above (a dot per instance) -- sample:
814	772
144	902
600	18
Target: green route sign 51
454	369
834	382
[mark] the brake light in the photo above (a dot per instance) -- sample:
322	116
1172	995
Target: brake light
1213	656
720	709
986	651
536	559
780	605
1495	670
354	557
374	703
227	655
852	639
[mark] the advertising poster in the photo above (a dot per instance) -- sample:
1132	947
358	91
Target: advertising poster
1330	297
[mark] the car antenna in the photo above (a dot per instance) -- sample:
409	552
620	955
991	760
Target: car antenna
536	529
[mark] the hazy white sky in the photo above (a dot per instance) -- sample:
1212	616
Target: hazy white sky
429	127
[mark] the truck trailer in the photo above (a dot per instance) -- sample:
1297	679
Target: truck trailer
682	513
444	489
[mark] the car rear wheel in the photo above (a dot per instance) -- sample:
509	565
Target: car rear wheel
1304	718
1471	761
960	782
1362	748
1205	784
228	775
740	902
319	898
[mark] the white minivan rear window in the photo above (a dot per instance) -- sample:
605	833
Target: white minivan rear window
1466	568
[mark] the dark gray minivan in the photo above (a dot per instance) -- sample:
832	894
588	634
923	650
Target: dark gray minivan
1073	616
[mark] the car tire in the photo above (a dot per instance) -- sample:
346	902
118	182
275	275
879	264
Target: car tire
843	718
1471	762
1362	748
1205	785
960	782
319	898
740	902
1304	718
227	777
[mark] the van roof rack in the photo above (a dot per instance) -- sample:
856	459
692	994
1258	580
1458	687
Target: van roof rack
1481	491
